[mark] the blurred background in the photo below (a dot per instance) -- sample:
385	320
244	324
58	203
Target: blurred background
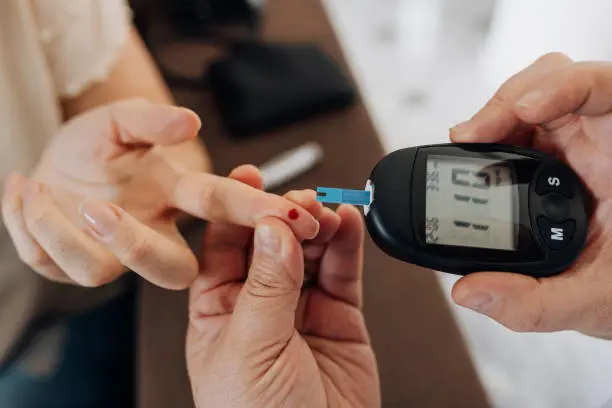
425	65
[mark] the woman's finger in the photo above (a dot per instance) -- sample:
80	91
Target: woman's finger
307	199
220	199
498	119
28	249
85	261
161	257
341	267
139	122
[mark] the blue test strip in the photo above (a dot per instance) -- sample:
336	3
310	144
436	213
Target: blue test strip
342	196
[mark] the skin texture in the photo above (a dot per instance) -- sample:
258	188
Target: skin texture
106	196
564	108
257	339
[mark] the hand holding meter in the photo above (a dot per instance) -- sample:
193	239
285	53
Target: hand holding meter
463	208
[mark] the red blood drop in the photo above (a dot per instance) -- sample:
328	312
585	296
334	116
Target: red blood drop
293	214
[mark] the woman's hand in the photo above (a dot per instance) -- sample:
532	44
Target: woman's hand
257	338
108	190
564	108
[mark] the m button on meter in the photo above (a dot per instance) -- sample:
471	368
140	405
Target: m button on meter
557	235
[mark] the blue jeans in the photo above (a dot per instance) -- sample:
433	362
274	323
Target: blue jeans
96	364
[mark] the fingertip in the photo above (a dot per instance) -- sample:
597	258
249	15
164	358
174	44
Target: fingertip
472	290
306	199
249	175
192	117
185	125
460	133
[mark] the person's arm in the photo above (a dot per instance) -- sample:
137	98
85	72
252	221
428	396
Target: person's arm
134	75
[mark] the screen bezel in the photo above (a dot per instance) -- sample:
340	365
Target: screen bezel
524	167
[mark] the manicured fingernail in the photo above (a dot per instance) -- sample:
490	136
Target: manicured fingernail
100	218
267	240
530	99
477	301
31	190
181	123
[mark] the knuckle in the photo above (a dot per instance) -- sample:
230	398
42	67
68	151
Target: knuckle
527	324
498	100
580	78
553	57
270	279
534	319
37	216
98	275
135	250
208	199
36	258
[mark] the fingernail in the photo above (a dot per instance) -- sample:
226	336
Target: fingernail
180	123
267	240
530	99
477	301
317	229
100	218
31	190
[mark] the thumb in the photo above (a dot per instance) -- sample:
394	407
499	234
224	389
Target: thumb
138	122
265	309
114	128
521	303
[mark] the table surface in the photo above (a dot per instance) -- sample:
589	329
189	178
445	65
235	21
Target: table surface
422	358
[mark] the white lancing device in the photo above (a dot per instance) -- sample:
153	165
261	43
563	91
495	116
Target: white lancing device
290	164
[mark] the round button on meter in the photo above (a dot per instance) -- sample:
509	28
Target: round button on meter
556	207
463	208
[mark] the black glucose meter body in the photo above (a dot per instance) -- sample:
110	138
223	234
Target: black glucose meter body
463	208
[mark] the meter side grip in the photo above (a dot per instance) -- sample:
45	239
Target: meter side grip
389	219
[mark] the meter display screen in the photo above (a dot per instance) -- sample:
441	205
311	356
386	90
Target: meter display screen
471	202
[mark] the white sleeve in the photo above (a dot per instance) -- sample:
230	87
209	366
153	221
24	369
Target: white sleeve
82	39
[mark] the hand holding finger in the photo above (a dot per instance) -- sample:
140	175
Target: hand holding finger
223	260
265	309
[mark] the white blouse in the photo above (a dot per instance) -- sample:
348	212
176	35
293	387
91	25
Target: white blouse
49	49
